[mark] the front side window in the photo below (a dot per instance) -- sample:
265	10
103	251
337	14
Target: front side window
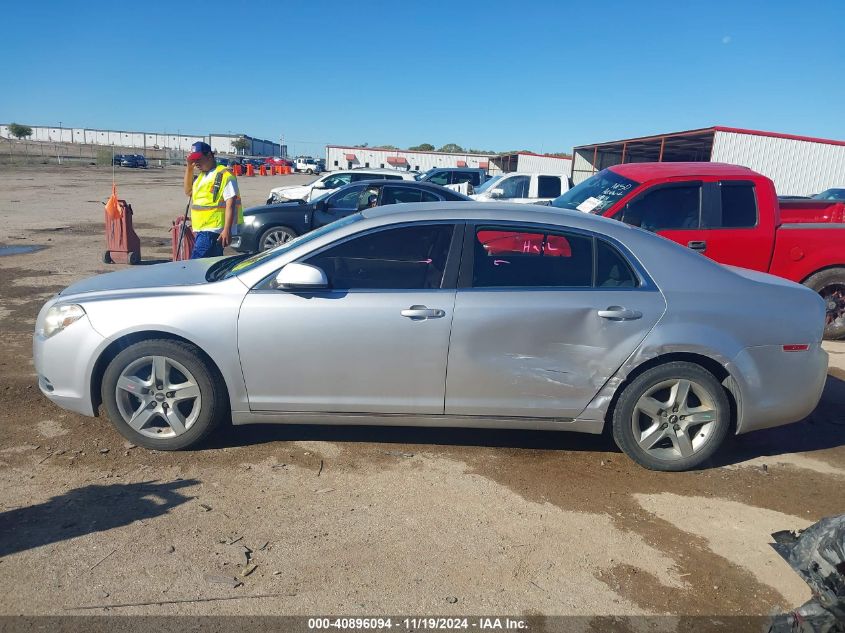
333	182
515	187
548	186
739	204
666	208
508	258
346	199
408	257
439	178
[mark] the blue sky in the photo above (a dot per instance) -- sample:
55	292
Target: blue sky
543	76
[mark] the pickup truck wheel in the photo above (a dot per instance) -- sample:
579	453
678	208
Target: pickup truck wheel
309	171
274	236
672	417
830	284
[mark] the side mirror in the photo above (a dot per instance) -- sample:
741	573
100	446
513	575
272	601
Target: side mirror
498	192
301	277
319	185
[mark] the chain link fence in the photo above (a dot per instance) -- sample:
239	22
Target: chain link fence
24	152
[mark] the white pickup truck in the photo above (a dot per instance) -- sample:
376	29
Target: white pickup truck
307	165
522	188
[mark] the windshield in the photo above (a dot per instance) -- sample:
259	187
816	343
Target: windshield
258	258
596	194
490	184
425	175
830	194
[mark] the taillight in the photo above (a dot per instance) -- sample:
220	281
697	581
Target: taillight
795	348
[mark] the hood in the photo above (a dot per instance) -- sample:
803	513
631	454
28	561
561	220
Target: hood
269	208
186	273
290	188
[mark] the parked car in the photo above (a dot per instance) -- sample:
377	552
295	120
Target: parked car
732	215
129	160
522	188
270	225
830	194
331	181
117	159
454	176
546	319
273	160
141	161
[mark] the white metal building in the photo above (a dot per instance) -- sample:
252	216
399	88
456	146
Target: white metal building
798	165
220	143
343	157
531	163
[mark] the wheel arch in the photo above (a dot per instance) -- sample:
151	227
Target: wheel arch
823	269
708	363
122	342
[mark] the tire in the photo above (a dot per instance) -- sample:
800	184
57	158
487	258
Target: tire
164	420
830	284
134	258
107	258
274	236
310	172
662	439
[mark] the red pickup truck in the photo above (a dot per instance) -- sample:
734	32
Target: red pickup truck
731	214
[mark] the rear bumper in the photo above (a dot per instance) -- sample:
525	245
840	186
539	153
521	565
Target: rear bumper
777	387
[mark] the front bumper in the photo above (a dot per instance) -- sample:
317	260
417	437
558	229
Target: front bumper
64	364
777	387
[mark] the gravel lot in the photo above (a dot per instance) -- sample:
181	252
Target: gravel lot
362	520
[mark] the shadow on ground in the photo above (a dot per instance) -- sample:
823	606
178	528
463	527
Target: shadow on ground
87	510
823	429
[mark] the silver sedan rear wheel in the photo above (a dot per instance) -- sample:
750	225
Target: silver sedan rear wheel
672	417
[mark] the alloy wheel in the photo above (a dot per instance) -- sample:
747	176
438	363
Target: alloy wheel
158	397
274	238
674	419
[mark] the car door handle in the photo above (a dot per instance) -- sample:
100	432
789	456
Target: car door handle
418	313
618	313
698	245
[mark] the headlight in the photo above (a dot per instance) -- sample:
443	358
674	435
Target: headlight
60	316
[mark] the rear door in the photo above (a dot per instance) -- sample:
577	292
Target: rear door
543	317
733	230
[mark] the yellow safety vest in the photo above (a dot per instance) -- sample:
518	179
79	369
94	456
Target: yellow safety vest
208	208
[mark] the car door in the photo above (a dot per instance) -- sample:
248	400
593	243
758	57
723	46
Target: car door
375	341
543	318
672	209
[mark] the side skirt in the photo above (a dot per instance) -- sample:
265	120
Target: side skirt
400	419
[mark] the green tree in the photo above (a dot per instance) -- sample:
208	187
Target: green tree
19	131
385	147
241	144
451	147
425	147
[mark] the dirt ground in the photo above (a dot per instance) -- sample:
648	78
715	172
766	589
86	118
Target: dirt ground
362	520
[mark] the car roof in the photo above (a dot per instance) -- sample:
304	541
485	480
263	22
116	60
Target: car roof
642	172
408	184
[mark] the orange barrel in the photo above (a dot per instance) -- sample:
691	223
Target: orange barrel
237	170
250	169
287	169
279	169
262	171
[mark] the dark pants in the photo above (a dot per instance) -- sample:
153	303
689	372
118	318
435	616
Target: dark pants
207	244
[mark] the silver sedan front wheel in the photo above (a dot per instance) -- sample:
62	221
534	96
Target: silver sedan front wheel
163	394
158	397
672	417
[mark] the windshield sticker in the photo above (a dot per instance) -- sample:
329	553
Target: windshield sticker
589	204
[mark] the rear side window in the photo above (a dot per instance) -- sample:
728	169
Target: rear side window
739	204
391	177
671	207
408	257
508	258
471	177
548	186
398	195
612	270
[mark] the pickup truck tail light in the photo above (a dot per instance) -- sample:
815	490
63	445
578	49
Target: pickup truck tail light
795	348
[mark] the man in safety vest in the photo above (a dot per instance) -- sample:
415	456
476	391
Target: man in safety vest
216	209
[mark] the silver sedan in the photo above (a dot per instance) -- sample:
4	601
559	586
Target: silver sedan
444	314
